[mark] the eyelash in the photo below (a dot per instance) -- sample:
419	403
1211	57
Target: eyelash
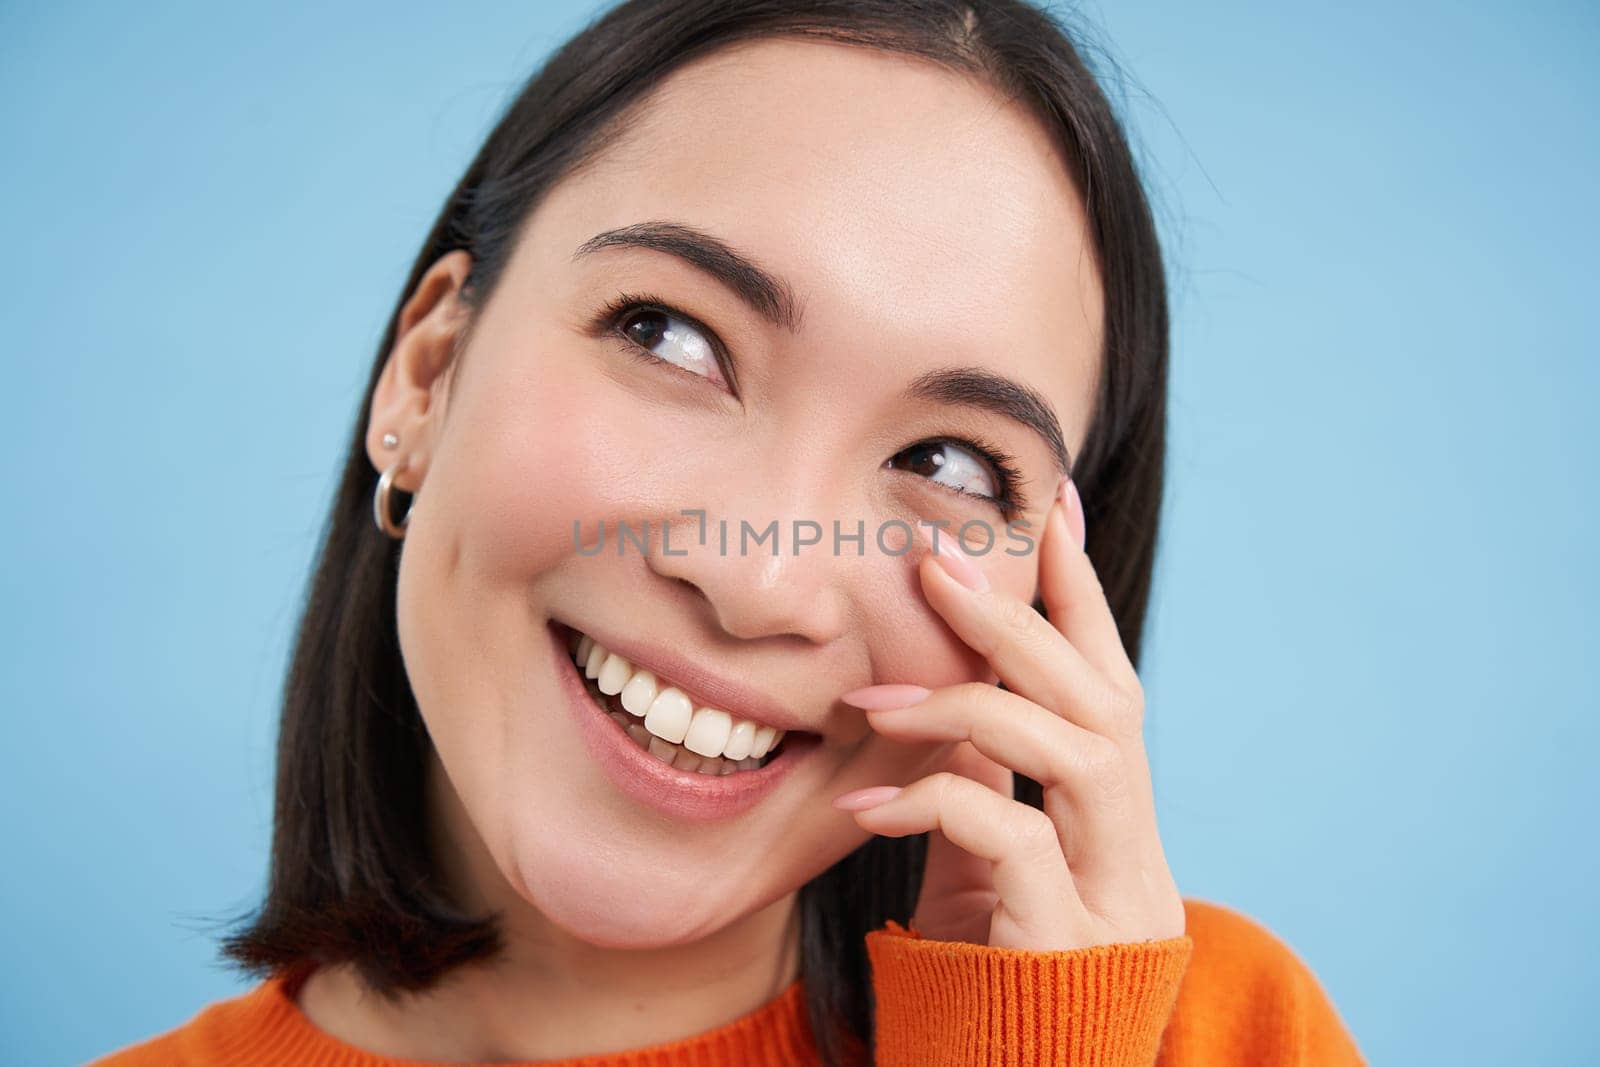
1007	477
608	320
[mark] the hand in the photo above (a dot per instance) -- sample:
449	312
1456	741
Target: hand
1089	868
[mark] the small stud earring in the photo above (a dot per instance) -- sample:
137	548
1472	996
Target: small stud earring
390	440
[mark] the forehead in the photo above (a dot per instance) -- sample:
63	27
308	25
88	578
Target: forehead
909	207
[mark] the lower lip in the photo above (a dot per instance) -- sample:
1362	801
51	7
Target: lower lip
685	795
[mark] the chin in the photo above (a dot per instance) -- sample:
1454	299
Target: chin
635	904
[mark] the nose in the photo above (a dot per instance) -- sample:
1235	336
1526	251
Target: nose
768	568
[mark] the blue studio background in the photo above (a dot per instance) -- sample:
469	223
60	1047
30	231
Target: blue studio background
1370	663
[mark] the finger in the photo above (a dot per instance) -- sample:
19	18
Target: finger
1075	602
948	868
1029	871
967	761
1016	733
1088	770
1030	655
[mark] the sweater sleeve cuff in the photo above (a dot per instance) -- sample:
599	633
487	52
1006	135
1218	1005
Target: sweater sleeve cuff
948	1003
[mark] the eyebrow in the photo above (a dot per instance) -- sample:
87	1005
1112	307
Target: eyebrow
764	291
975	387
772	298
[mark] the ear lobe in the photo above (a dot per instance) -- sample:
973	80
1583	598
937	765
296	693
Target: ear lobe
407	399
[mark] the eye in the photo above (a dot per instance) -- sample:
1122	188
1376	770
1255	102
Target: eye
672	338
964	468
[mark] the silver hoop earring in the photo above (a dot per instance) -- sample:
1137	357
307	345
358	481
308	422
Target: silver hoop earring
380	504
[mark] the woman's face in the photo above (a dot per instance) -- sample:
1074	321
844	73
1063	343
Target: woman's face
915	225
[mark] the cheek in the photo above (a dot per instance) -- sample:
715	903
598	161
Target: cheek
909	642
540	456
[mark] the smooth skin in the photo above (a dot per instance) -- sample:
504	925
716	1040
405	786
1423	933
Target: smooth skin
921	223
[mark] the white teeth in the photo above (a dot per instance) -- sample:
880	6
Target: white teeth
639	693
763	741
708	732
614	674
668	715
740	738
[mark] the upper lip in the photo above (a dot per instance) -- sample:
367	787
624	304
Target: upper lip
702	687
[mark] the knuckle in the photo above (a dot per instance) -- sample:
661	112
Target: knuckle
1104	771
994	710
1125	709
944	785
1035	833
1019	623
977	694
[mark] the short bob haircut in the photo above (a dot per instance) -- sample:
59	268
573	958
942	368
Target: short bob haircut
351	877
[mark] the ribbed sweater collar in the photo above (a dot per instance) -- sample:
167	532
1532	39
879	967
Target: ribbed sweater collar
266	1026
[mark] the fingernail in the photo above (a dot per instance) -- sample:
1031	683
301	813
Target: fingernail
957	564
884	697
862	799
1074	508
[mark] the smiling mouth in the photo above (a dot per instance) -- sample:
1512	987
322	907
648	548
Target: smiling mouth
663	721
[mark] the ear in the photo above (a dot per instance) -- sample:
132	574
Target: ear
410	395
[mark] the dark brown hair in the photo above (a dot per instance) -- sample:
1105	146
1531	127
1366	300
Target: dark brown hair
351	875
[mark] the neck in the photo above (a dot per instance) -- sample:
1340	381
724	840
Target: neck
551	996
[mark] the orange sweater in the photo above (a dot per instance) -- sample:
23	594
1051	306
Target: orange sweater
1227	992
